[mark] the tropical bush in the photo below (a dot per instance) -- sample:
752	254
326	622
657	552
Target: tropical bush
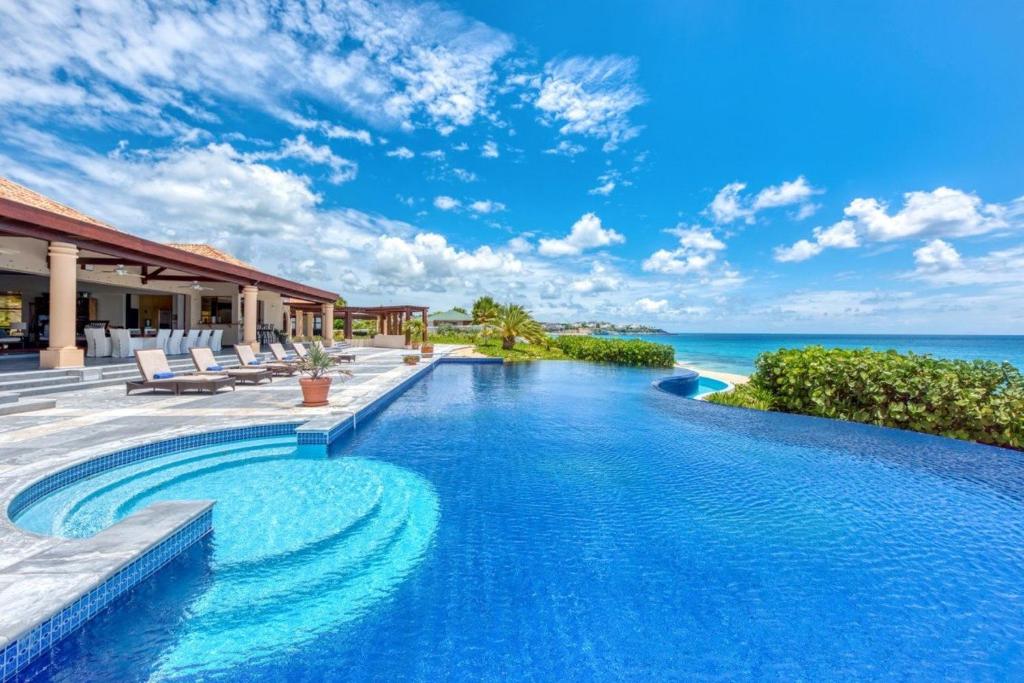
484	310
744	396
618	351
975	400
510	321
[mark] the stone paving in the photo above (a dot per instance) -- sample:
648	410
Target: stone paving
40	573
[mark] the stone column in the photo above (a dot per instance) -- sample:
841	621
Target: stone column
348	326
249	294
423	317
308	334
328	324
62	352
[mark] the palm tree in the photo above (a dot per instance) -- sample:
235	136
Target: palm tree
512	320
484	310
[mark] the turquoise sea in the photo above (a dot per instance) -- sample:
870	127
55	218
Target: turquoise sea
736	352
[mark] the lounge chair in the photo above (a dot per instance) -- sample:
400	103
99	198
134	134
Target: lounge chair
281	356
248	359
350	357
205	363
157	375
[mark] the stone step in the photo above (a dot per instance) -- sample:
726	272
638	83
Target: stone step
27	405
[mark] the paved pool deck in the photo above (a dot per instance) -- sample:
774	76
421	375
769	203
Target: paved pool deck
41	575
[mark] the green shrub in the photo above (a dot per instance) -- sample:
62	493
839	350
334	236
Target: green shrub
744	396
975	400
618	351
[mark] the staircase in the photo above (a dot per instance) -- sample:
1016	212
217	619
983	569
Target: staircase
19	390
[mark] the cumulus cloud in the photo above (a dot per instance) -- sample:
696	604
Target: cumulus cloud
486	206
591	96
342	170
489	150
446	203
943	212
599	280
937	255
587	233
333	130
696	251
401	153
652	306
731	204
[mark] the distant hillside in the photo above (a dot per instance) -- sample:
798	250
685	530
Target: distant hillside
598	328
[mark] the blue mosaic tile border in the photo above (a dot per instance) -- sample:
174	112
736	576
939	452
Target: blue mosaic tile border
21	652
463	360
72	474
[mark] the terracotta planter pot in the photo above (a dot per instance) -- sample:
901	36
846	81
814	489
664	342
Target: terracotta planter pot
411	360
314	391
427	349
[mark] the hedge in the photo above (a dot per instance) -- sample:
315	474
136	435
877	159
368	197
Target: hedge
974	400
618	351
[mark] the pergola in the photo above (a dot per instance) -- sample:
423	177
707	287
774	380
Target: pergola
390	320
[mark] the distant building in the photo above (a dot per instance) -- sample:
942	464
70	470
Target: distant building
450	319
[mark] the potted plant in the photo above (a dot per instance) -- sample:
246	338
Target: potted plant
316	369
427	349
411	359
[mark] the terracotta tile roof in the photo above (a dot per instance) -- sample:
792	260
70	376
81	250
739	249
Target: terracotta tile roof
211	252
21	194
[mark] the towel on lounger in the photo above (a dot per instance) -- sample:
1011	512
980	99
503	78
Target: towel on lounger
163	375
214	368
254	362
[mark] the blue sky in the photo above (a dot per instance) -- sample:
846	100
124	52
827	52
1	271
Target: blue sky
703	166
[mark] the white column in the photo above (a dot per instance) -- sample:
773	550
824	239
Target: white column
249	308
62	352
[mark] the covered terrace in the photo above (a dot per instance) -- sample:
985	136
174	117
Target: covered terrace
62	271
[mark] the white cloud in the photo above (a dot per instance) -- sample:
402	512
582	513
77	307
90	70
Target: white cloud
652	306
943	212
489	150
436	154
801	250
566	148
789	192
937	255
591	96
429	256
727	206
696	251
143	65
342	170
486	206
604	190
519	245
586	233
338	131
401	153
464	175
461	147
730	204
446	203
599	281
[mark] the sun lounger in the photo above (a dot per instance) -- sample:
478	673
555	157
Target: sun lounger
350	357
206	364
157	375
248	359
281	356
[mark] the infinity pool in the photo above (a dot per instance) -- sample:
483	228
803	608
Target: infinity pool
565	520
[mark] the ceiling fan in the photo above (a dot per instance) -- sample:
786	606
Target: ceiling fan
121	271
198	287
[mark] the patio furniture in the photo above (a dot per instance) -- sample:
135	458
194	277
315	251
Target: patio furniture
189	341
281	356
205	363
162	337
215	340
350	357
157	375
248	359
174	343
97	344
204	339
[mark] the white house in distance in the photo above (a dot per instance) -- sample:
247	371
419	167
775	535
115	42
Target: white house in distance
61	271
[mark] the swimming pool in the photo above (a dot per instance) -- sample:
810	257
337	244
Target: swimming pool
568	520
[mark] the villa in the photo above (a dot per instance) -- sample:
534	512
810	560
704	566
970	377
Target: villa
62	272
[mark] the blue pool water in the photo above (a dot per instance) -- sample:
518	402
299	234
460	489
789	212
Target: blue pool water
565	520
736	352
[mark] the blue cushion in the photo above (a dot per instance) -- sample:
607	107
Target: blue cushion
214	368
163	375
254	362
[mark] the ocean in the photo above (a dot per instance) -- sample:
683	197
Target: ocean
736	352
